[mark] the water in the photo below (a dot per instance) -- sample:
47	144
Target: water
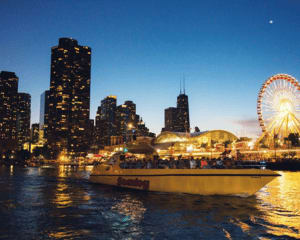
45	203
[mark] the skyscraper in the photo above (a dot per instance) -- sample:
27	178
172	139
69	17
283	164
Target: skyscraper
132	117
23	119
35	132
106	120
14	112
177	119
44	113
171	119
8	110
126	119
69	97
118	124
122	120
183	113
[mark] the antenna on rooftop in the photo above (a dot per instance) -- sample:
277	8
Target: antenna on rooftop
183	83
180	85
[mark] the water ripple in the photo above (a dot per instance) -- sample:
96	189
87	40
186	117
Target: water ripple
61	204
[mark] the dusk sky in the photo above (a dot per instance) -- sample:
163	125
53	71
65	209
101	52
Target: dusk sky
141	49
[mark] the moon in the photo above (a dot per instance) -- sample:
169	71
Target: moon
271	21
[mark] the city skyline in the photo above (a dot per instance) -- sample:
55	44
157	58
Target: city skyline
141	51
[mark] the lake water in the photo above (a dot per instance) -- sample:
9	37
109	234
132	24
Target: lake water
60	203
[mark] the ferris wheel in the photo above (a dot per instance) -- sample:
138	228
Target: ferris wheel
278	106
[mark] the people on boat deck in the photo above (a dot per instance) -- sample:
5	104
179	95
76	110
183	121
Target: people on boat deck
192	163
172	163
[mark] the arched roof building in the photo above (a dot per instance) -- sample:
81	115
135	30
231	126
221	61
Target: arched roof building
178	143
216	136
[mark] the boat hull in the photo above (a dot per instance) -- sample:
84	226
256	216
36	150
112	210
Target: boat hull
239	182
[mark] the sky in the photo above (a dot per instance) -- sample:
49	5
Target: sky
142	49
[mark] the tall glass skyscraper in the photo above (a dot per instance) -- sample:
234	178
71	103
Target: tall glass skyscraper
44	113
69	98
8	110
23	119
14	112
106	120
183	113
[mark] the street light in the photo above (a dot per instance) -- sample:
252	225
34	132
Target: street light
130	128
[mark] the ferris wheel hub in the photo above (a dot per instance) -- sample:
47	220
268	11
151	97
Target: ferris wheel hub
286	106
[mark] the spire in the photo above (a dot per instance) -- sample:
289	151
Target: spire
183	84
180	85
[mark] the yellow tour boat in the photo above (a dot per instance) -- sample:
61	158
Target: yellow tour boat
238	182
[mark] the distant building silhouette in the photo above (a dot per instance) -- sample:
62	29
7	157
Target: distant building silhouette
177	119
23	119
118	124
35	133
142	130
44	113
105	120
126	121
122	121
69	98
14	112
91	134
8	110
183	113
171	119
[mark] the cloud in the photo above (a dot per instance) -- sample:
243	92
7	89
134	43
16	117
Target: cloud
248	127
247	122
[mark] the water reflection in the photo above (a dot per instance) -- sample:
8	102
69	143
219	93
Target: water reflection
142	212
63	170
130	213
281	204
11	169
62	197
59	203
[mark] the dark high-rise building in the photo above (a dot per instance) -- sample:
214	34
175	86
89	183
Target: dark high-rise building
35	132
132	112
8	110
122	120
14	112
69	97
108	108
126	120
142	130
44	112
183	113
118	124
98	129
106	121
177	119
91	132
23	119
171	119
